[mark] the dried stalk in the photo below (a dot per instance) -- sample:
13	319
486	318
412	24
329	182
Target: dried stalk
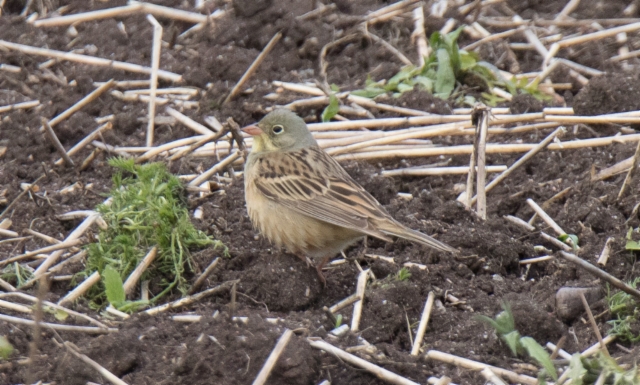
344	303
357	307
103	372
80	289
557	243
60	246
483	125
23	193
190	299
389	47
422	327
597	346
474	365
200	280
253	67
69	328
418	171
376	370
589	37
273	358
222	165
56	143
419	35
614	170
85	59
519	222
190	123
491	377
606	251
55	306
536	260
155	66
395	136
632	170
88	139
19	106
166	147
87	16
135	275
53	257
600	274
545	217
522	161
594	325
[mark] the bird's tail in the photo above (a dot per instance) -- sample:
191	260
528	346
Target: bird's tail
416	236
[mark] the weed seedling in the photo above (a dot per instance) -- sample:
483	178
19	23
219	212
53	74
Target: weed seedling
626	310
403	274
504	326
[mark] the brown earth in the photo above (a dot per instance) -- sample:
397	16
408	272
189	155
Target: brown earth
273	284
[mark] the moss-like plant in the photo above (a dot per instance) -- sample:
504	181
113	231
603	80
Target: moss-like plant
146	210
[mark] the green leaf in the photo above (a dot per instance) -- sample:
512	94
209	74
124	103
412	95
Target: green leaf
424	82
403	87
5	348
369	92
338	320
60	314
467	62
405	73
435	41
334	88
576	370
332	109
538	353
631	244
451	38
445	77
505	319
573	237
512	340
114	288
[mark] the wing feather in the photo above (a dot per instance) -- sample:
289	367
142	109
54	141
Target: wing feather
311	182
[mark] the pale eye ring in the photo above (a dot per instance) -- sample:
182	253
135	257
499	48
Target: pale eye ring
277	129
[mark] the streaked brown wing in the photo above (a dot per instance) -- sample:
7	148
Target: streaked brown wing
312	183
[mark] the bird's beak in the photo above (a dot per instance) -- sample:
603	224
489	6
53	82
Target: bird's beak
252	130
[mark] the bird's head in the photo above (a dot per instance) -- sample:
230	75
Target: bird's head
280	130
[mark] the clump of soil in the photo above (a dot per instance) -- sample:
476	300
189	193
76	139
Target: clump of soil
609	93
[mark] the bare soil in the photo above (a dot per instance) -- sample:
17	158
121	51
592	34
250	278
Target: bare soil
274	284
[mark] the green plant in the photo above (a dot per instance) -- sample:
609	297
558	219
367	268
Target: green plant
583	371
632	245
446	67
626	310
334	105
504	325
146	210
5	348
574	240
338	320
17	272
403	274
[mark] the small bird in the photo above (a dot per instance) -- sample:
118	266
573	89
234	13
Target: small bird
299	197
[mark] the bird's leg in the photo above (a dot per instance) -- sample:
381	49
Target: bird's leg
304	258
319	267
364	249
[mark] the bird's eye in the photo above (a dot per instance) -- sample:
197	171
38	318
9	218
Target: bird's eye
278	129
